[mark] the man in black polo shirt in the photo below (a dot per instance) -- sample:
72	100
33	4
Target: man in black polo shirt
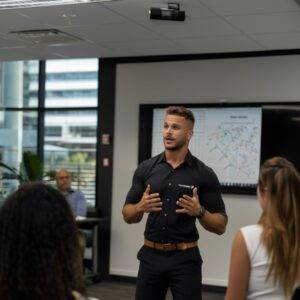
175	188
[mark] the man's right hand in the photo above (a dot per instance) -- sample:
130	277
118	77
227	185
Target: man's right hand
149	202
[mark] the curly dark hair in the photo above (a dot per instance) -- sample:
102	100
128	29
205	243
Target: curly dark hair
39	250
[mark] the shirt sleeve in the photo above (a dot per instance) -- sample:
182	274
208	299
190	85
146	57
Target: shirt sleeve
210	194
137	188
81	207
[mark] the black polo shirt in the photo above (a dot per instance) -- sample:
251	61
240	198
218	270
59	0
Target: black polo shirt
167	226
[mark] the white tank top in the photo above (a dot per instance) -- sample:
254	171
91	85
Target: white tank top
259	287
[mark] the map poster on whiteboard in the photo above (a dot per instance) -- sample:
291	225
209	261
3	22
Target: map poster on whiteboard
226	139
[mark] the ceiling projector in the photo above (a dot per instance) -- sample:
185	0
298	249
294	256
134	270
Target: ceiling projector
172	13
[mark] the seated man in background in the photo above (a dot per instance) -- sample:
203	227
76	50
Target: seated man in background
76	199
77	203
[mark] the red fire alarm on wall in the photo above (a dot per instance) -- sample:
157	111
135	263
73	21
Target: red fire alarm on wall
105	162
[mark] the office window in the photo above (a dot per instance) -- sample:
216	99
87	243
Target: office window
17	85
53	131
72	83
18	133
72	94
71	121
83	131
76	153
72	76
69	115
18	127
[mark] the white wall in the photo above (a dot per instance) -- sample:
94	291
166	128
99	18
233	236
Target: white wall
237	80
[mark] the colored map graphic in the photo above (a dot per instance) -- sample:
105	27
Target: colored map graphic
225	139
233	151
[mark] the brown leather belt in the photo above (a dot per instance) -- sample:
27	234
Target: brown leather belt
170	246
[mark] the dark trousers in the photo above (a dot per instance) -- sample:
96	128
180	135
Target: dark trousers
178	270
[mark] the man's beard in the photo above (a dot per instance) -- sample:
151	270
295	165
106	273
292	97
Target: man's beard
178	145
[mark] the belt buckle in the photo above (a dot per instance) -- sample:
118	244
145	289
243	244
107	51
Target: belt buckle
183	246
167	247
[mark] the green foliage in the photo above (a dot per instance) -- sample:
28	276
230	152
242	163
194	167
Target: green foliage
50	174
14	171
33	166
78	157
31	169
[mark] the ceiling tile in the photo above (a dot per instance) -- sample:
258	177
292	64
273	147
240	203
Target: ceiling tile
279	41
75	50
68	15
271	23
239	7
7	42
139	10
11	21
145	52
113	32
140	45
191	28
219	44
15	54
123	28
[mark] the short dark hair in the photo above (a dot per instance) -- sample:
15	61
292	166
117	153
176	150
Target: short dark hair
40	256
181	111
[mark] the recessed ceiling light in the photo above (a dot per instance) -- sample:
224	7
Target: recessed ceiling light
9	4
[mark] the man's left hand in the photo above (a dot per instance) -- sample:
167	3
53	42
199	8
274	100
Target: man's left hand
190	205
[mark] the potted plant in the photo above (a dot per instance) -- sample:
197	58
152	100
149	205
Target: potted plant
31	169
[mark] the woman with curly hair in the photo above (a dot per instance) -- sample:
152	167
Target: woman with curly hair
39	250
265	259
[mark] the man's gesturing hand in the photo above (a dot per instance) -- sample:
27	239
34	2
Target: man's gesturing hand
149	202
190	205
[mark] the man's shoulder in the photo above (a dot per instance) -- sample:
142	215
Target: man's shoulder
201	166
150	161
199	163
147	165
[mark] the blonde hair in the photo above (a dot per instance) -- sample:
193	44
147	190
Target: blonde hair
279	183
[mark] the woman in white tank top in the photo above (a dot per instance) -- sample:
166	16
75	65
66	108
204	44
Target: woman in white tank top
265	258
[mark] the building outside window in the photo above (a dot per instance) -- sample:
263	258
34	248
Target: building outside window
53	131
71	104
18	127
70	118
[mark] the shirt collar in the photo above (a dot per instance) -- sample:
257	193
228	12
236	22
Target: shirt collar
188	159
161	158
